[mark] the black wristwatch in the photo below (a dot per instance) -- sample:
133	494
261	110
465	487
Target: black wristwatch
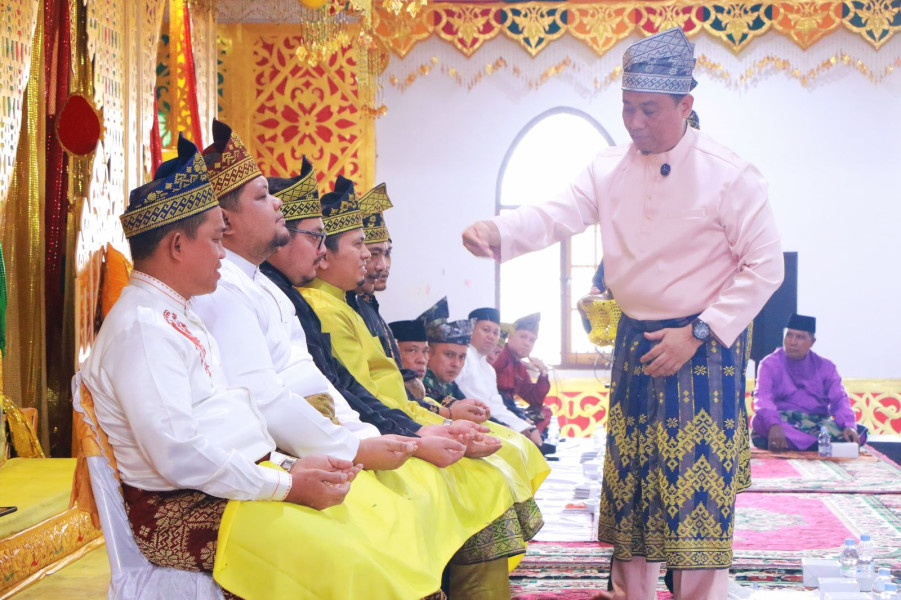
700	330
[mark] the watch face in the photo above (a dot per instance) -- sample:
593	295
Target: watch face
701	330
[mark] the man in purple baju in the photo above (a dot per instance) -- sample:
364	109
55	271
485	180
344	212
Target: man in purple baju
797	392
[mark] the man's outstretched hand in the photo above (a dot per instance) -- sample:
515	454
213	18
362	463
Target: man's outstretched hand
483	239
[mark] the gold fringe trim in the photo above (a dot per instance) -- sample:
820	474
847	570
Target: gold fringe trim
764	67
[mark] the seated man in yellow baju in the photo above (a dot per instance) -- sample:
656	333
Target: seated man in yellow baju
189	447
372	206
363	356
478	570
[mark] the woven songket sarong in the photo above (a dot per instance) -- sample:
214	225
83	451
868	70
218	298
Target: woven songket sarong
175	529
506	536
677	452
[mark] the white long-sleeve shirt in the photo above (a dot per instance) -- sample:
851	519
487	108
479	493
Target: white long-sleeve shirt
702	239
161	396
254	333
478	380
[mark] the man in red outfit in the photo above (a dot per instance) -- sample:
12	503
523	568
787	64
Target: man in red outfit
513	378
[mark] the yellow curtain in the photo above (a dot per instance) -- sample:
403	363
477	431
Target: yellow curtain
24	365
15	50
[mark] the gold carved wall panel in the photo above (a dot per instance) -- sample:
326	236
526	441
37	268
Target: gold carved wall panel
283	109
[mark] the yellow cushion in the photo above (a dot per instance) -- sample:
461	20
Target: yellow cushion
116	271
39	487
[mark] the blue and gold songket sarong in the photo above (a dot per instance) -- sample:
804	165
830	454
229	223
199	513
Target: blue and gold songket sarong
677	452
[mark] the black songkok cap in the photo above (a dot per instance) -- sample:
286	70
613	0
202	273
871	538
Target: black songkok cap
409	331
802	323
486	314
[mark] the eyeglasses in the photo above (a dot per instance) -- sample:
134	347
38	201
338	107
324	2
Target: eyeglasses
319	235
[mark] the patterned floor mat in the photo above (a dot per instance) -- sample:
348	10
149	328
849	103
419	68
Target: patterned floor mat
871	473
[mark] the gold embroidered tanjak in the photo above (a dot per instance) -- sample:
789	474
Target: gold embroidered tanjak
234	166
188	193
300	200
342	221
372	206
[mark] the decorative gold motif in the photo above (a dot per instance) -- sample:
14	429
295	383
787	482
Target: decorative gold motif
653	18
466	26
601	25
807	22
582	405
51	544
736	24
875	20
399	33
534	26
297	110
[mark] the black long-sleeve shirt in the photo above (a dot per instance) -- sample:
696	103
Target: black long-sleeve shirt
371	409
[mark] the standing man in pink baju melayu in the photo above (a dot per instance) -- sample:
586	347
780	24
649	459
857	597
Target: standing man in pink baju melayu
691	253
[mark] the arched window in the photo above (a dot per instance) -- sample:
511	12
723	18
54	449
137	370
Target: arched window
547	154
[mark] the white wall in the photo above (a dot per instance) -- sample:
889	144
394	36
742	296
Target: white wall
832	154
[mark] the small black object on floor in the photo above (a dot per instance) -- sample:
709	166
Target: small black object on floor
890	449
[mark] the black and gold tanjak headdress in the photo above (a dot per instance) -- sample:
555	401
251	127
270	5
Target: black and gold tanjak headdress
340	210
180	189
234	166
300	200
372	205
